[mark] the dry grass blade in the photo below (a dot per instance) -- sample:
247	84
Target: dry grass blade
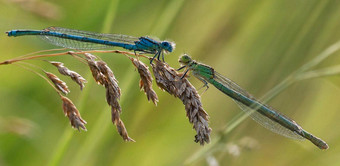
145	82
169	80
74	75
104	76
73	114
58	83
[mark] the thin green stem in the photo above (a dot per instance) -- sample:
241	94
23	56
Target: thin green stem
321	57
328	71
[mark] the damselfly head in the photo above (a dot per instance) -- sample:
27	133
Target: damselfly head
9	33
168	46
185	59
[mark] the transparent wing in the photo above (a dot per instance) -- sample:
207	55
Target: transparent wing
256	116
74	44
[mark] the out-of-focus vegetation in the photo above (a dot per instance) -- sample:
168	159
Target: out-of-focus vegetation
255	43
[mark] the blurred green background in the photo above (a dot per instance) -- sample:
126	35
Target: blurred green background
255	43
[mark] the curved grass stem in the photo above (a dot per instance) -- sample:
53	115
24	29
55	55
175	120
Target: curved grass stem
10	61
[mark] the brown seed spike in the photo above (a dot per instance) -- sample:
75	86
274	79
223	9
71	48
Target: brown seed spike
62	70
169	80
112	96
90	56
74	76
104	76
145	82
58	83
73	114
107	72
96	73
111	85
78	79
120	125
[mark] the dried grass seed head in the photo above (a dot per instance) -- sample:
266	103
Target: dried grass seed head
78	79
90	56
74	75
104	76
58	83
145	82
96	73
169	80
105	70
120	126
73	114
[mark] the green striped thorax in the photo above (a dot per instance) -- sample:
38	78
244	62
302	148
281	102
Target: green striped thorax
198	69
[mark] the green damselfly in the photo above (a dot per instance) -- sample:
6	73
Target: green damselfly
261	113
